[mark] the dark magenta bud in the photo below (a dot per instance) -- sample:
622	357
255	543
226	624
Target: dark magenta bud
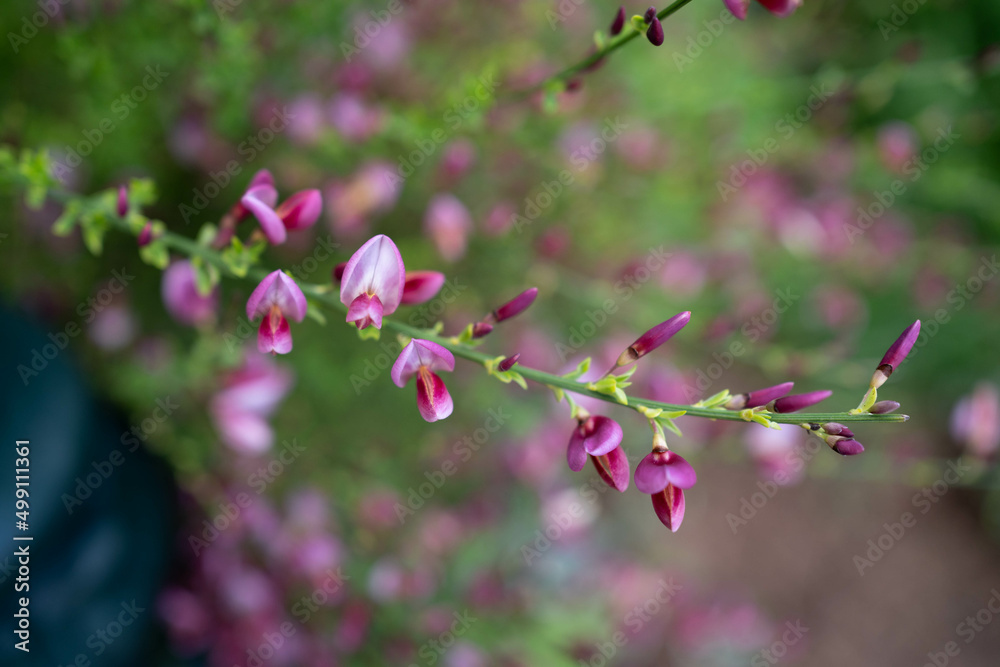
146	235
884	407
509	362
654	338
895	355
655	32
649	15
848	447
122	201
759	397
338	272
480	329
800	401
515	306
833	428
619	22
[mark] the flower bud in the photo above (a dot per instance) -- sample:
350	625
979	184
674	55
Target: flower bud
122	201
619	22
515	306
649	15
800	401
755	399
895	355
338	272
833	428
654	338
655	32
847	447
146	235
884	407
480	329
508	363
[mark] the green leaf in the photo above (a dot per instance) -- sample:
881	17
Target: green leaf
141	192
67	219
155	254
206	275
670	425
368	333
581	368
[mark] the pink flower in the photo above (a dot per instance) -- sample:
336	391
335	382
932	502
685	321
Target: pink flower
664	475
423	357
448	223
299	211
739	8
181	297
975	421
276	298
249	396
373	281
421	286
373	189
599	438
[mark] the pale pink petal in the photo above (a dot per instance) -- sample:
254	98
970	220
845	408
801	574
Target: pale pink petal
419	352
738	8
277	289
257	304
256	201
376	269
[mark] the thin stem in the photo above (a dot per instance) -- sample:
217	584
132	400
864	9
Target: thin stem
628	34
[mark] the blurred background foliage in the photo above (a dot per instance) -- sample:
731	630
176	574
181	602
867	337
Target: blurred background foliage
885	79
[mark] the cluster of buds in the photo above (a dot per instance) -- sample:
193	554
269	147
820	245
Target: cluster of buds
648	23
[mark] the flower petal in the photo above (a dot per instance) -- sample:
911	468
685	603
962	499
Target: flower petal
669	507
274	335
433	399
797	402
258	200
738	8
603	435
576	455
781	7
301	210
421	286
376	268
419	352
650	476
277	289
365	311
613	468
680	473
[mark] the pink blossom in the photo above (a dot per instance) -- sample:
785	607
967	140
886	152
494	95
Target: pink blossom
275	299
422	358
373	281
181	296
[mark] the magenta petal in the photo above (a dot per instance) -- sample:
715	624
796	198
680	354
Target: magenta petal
421	286
650	476
122	201
263	178
848	447
897	352
613	468
680	473
760	397
274	335
780	7
516	306
576	455
277	289
256	304
181	297
377	269
255	201
419	352
365	311
301	210
433	399
669	507
738	8
798	402
602	435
